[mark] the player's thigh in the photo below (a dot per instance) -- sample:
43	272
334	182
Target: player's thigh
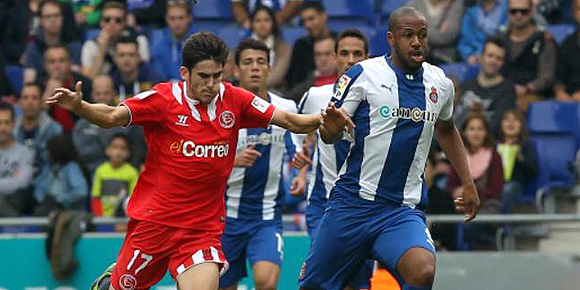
409	231
204	276
144	256
266	275
266	244
341	246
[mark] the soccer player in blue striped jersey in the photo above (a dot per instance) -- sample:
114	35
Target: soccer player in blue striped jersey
254	194
396	103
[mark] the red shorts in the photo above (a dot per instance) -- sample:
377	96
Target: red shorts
150	249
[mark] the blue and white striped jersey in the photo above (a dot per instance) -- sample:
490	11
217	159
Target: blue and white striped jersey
395	114
256	192
326	159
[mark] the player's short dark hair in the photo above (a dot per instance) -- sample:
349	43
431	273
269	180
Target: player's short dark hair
204	46
120	136
5	106
250	43
275	26
316	5
496	40
127	38
183	4
399	12
352	32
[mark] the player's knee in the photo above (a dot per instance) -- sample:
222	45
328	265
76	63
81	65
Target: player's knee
423	275
266	283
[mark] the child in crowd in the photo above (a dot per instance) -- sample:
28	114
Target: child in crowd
114	179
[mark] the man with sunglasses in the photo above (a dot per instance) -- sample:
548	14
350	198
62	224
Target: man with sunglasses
96	55
530	60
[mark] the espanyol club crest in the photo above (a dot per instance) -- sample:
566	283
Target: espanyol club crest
433	96
227	119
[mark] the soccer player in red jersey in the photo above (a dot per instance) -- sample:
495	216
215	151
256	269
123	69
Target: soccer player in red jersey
177	208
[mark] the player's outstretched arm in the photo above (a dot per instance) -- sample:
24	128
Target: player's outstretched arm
99	114
335	122
452	145
296	123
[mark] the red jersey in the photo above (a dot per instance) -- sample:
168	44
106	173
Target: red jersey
191	151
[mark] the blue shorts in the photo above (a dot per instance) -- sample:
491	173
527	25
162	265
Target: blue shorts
353	231
313	215
251	239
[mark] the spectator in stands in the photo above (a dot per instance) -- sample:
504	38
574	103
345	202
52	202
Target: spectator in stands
266	29
15	167
518	155
59	73
97	54
486	170
35	126
87	12
64	184
531	55
114	180
302	62
479	23
489	93
325	68
567	86
285	10
443	23
166	54
130	74
50	32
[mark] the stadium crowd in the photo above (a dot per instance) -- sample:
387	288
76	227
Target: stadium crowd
51	159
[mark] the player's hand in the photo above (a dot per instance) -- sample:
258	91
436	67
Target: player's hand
67	98
468	203
247	157
297	186
336	120
302	159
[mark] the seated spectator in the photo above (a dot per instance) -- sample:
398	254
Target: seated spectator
97	54
35	126
64	184
51	32
486	171
567	86
443	25
479	23
326	71
114	180
266	29
90	140
518	155
285	10
166	54
315	20
130	74
15	168
489	93
59	73
531	55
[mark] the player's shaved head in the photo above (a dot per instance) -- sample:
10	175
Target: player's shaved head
400	12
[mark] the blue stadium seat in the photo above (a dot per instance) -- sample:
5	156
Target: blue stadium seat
212	9
553	117
15	76
214	26
233	35
463	71
378	44
388	6
561	31
360	12
291	34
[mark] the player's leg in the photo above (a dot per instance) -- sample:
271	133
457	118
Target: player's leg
265	251
234	243
204	276
339	249
405	247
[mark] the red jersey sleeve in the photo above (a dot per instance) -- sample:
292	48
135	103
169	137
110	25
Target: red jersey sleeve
146	107
255	111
